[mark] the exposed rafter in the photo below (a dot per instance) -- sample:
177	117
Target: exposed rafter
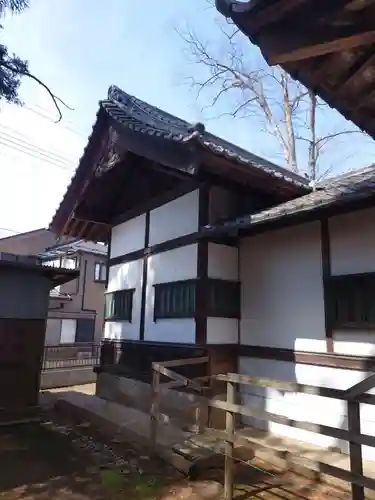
368	63
302	45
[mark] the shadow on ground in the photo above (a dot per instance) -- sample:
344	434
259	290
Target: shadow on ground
36	462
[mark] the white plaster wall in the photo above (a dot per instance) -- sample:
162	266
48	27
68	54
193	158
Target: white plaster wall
174	219
222	331
305	407
128	237
222	262
352	239
282	305
124	277
282	290
120	330
174	265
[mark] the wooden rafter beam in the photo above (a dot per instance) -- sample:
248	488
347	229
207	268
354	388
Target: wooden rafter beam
356	5
359	70
368	99
281	49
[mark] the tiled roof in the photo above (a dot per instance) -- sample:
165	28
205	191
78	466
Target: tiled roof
354	186
138	116
141	117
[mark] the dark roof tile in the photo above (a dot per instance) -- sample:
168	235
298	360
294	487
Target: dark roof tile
339	190
141	117
145	118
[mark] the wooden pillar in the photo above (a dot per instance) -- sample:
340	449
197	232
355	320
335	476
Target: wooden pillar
355	449
154	411
229	444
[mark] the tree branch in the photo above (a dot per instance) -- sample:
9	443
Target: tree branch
283	108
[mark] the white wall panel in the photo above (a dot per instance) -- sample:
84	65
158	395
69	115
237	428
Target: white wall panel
121	330
352	240
124	277
222	331
174	219
282	290
222	262
128	237
174	265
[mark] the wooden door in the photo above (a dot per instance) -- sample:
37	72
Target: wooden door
21	352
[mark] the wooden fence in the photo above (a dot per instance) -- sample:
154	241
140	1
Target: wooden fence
353	397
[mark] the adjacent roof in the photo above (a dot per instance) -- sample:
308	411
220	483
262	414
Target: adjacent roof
75	246
31	263
26	233
328	46
343	191
143	121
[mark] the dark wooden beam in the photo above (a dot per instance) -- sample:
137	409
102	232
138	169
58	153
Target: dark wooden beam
355	73
202	269
168	152
272	13
326	275
281	49
368	98
142	320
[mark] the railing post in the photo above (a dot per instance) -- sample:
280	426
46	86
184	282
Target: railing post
154	411
356	463
229	444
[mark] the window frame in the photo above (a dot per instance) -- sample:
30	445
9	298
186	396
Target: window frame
129	292
101	266
349	301
211	289
158	287
216	290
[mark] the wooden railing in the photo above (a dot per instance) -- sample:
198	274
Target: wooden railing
177	382
353	396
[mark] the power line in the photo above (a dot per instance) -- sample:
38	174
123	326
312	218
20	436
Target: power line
73	130
34	152
36	156
21	139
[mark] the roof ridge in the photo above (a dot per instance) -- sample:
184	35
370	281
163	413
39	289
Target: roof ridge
189	131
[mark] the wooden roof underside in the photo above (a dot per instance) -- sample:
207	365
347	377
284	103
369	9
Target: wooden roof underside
328	45
136	152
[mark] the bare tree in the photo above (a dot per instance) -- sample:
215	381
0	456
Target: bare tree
282	107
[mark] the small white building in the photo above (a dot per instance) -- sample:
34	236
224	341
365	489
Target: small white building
213	249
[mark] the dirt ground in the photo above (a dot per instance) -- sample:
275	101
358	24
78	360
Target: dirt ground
60	459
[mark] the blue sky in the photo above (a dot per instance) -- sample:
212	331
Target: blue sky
80	48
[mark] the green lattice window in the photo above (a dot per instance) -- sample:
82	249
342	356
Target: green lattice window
119	305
